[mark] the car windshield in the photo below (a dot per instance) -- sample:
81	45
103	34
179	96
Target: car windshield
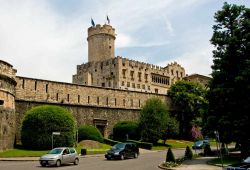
119	146
198	142
247	160
55	151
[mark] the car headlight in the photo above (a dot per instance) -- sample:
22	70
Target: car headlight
116	153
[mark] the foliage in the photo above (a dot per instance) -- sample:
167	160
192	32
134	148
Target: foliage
110	141
229	94
126	130
208	151
189	102
170	156
196	133
41	121
153	120
172	130
188	153
144	145
86	132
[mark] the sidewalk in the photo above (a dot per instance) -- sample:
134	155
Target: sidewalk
198	164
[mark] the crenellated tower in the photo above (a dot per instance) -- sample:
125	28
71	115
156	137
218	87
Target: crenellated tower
101	43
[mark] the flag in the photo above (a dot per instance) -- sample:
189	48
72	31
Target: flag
92	22
108	19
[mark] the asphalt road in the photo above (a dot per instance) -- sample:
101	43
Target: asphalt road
146	161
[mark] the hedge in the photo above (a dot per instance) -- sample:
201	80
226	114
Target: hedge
144	145
110	141
88	132
126	130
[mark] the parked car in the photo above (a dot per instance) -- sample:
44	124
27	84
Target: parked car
245	165
200	144
58	156
122	151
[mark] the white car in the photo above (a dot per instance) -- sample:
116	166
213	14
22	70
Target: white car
58	156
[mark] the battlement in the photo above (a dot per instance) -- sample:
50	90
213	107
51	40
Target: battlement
101	29
7	69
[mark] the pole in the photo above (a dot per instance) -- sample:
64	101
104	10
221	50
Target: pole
218	138
52	140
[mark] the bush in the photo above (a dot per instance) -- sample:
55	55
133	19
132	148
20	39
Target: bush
125	129
41	121
86	132
170	156
188	153
144	145
110	141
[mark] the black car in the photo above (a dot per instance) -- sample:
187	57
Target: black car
245	165
122	151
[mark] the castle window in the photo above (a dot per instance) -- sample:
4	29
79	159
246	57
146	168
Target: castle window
1	102
57	96
123	64
138	86
143	86
68	97
97	100
139	76
35	85
181	74
123	83
156	91
133	85
124	73
128	84
148	87
95	70
79	98
139	103
88	99
115	101
132	75
124	102
172	72
112	73
46	88
103	84
177	73
23	83
110	47
107	101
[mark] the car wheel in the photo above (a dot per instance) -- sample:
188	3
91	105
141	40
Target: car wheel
58	163
76	162
122	157
43	164
108	158
135	155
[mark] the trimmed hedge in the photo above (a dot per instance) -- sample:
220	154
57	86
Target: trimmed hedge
126	129
144	145
110	141
87	132
188	153
170	156
39	123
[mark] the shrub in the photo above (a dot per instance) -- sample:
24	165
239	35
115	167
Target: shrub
188	153
110	141
41	121
125	129
170	156
144	145
207	151
86	132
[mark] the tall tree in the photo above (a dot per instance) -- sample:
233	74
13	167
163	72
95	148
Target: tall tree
189	103
229	95
153	120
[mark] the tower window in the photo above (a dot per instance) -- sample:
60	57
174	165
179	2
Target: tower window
110	47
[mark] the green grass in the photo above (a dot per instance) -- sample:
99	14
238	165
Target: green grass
228	160
172	143
17	152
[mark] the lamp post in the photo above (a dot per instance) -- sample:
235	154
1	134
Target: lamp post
54	133
218	139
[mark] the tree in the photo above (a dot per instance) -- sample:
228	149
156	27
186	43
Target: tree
41	121
170	156
153	120
86	132
189	102
126	130
229	95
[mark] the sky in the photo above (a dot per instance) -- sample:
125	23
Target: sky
46	39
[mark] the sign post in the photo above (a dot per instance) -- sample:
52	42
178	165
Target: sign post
54	133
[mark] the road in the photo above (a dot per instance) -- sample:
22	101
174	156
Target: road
146	161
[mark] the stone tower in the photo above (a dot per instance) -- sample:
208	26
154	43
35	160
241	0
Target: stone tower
101	43
7	105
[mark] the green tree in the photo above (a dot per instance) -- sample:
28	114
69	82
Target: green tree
86	132
126	129
170	156
229	95
153	120
41	121
189	102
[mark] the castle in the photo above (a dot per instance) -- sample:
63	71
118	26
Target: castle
104	91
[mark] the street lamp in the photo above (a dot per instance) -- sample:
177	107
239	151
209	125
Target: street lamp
54	133
218	139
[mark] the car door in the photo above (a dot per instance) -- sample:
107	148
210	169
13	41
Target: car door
66	156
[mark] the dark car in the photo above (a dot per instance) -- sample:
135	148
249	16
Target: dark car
200	144
245	165
122	151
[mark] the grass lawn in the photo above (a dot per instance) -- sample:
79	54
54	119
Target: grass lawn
173	144
228	160
17	152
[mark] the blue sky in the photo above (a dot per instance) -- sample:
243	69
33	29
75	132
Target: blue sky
46	39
